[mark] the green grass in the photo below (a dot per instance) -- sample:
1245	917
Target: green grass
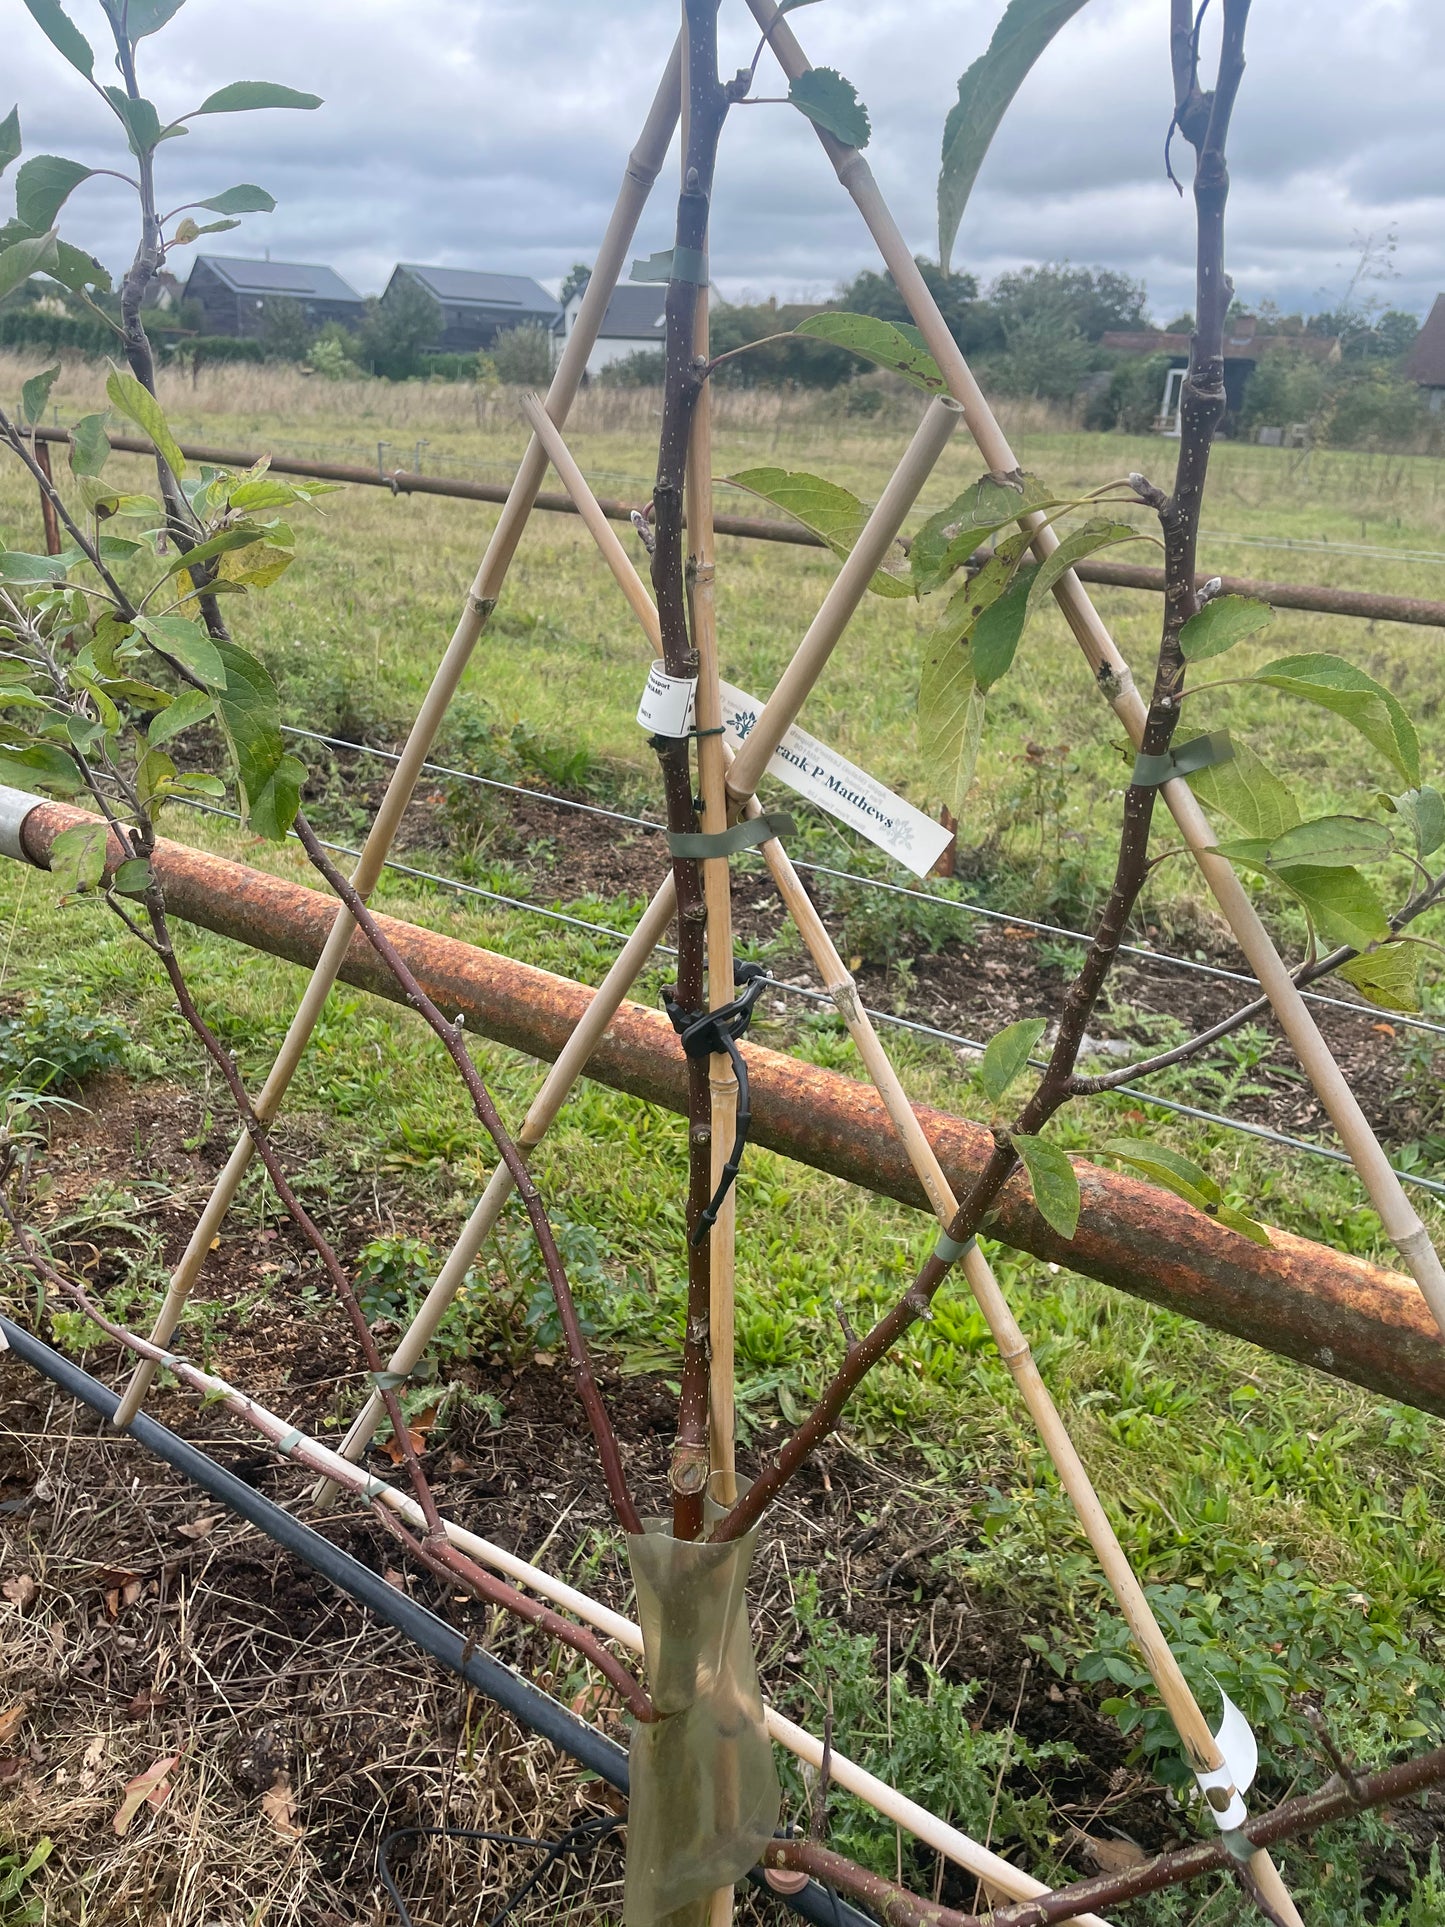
1288	1524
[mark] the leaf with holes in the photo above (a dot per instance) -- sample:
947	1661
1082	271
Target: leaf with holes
1424	811
1220	624
1388	977
1248	792
1055	1185
950	721
10	144
250	715
36	255
984	94
983	589
35	393
63	34
89	446
141	406
950	536
832	103
1098	533
245	96
77	858
886	345
1331	842
1366	705
831	512
1007	1054
1185	1179
43	186
77	270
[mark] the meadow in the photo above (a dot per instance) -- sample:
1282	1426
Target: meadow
1287	1524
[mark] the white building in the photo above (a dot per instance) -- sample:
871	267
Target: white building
633	324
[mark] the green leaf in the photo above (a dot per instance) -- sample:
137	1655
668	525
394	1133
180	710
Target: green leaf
188	642
132	878
830	511
950	721
89	445
1342	904
832	103
144	17
1007	1054
140	120
1368	706
1220	624
63	34
984	94
10	145
192	706
245	199
77	270
43	765
1331	842
1099	533
1056	1188
17	566
950	536
244	96
136	402
24	258
214	545
881	342
250	714
1388	977
1185	1179
35	393
43	186
997	632
1248	792
77	858
188	231
1424	810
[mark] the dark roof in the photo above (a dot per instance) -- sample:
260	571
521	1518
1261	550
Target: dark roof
1242	343
1425	362
278	277
635	314
472	288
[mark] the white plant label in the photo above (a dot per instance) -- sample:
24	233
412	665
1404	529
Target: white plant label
667	702
841	788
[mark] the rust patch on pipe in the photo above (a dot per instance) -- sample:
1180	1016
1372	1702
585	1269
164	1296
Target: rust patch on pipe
1337	1313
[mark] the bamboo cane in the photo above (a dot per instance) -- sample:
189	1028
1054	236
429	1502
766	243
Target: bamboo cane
809	661
642	169
1395	1210
1401	1222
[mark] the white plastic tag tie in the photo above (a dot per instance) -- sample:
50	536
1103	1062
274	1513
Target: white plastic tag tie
667	703
1240	1751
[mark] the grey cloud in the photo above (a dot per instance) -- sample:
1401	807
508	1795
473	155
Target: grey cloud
494	132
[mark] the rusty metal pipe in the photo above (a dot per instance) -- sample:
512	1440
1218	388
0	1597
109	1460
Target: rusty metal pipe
1340	1314
1364	604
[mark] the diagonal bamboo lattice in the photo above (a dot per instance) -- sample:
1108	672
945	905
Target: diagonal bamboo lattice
728	785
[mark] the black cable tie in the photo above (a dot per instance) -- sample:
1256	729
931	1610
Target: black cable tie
710	1033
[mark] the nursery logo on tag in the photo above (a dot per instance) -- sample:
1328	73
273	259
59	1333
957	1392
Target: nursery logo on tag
841	788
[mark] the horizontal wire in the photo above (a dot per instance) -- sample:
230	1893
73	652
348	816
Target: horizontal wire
1242	1125
1150	955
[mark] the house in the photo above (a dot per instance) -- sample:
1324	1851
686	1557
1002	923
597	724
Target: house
1425	362
477	306
1244	345
632	325
233	295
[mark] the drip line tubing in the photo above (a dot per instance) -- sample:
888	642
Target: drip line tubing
532	1709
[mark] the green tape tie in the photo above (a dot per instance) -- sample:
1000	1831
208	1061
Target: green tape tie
389	1381
751	831
289	1441
1201	752
672	264
1238	1843
950	1250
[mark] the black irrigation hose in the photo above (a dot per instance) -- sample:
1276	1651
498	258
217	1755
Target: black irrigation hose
527	1704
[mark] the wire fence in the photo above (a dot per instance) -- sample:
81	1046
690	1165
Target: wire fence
957	1039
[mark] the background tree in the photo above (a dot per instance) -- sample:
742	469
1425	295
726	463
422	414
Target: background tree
523	356
398	328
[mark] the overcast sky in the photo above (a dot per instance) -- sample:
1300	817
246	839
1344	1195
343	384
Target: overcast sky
491	133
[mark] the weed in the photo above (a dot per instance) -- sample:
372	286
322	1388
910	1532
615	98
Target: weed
52	1044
